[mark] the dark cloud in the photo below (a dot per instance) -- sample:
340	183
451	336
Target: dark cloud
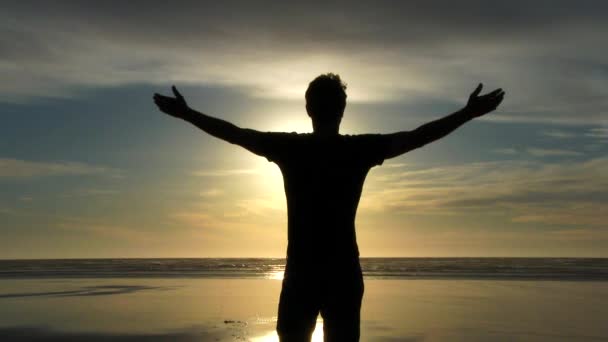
548	54
333	25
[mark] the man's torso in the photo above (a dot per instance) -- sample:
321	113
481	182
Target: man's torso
323	179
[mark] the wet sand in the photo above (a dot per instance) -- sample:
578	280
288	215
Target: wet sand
177	309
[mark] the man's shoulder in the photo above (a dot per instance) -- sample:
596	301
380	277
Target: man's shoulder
289	135
274	140
365	138
363	135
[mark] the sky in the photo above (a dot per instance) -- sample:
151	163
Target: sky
90	168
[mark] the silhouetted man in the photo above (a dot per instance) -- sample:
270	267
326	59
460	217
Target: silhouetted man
323	174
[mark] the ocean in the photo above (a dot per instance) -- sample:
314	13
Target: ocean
580	269
405	299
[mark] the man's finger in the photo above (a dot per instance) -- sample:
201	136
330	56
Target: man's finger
176	93
492	96
495	92
497	103
498	99
161	97
477	90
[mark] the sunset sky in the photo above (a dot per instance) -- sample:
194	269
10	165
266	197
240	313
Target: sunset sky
90	168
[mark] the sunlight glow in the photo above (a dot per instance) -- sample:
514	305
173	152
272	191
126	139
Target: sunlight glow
288	120
317	335
275	275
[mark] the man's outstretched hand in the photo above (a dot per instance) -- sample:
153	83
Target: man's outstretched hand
481	105
174	106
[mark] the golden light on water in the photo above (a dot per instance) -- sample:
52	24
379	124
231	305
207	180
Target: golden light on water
317	335
275	275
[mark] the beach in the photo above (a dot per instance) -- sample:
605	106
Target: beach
224	309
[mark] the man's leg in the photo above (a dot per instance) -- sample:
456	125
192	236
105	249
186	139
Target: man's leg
341	309
298	309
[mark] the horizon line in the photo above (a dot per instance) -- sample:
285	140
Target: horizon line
370	257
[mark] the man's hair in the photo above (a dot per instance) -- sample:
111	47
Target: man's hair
326	97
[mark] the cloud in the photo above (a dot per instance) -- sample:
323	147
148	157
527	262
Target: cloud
543	152
509	151
567	193
236	212
91	192
581	234
7	211
23	169
598	132
214	221
211	193
225	173
558	134
195	218
97	192
583	217
116	232
550	57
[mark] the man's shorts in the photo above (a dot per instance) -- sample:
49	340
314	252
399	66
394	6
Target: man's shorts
336	295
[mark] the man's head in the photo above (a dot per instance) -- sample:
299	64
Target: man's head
326	100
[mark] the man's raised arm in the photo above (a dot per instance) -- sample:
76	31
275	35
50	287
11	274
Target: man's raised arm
177	107
402	142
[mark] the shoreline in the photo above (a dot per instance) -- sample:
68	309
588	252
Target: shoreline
181	309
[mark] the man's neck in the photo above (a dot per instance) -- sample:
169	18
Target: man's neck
325	134
326	131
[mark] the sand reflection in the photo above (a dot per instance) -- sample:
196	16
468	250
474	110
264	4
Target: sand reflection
317	335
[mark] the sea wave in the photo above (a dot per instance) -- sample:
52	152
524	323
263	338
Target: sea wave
373	268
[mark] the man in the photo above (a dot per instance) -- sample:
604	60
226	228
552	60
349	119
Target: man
323	174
